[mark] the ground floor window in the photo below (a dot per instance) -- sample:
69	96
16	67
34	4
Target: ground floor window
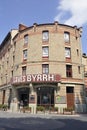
45	96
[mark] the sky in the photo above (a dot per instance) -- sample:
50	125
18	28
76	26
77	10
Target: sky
69	12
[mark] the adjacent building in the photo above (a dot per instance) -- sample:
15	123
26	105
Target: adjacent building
84	61
42	66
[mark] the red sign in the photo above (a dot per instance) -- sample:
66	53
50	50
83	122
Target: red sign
36	78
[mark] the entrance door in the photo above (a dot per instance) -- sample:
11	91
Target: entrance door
45	96
70	97
23	94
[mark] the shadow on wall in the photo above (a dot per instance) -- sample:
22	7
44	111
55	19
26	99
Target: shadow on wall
80	106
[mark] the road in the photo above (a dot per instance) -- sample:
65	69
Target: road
26	121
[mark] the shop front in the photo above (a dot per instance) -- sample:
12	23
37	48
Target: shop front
45	96
23	95
36	90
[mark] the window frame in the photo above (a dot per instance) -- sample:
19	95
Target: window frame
45	54
77	52
45	35
69	89
68	52
25	54
69	71
24	70
45	68
66	34
79	69
26	39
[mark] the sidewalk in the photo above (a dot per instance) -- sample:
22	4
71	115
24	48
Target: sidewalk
9	114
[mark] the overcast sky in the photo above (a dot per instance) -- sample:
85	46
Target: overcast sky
71	12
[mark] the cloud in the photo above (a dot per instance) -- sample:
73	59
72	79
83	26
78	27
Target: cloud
72	12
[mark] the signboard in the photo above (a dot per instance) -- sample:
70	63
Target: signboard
36	78
60	99
32	99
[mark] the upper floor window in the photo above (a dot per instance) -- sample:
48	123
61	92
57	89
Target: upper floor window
13	58
14	46
79	70
24	70
67	52
24	54
45	51
12	73
77	52
26	39
45	68
68	70
45	35
66	36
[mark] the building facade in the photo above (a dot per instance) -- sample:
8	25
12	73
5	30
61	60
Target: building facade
42	66
84	61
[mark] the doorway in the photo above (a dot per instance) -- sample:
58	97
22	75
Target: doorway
23	95
70	97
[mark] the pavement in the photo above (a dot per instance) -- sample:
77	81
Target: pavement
8	114
27	121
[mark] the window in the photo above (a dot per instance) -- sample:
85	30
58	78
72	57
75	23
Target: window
24	54
26	39
45	68
13	58
12	73
67	52
69	89
79	71
45	35
77	52
14	46
45	51
66	36
69	70
7	60
24	70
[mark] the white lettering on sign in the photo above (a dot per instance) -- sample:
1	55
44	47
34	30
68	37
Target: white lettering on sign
34	77
24	78
28	78
37	78
45	78
51	77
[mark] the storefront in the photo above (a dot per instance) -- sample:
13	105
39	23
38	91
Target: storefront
23	95
45	96
37	89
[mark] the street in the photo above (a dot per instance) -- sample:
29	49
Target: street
26	121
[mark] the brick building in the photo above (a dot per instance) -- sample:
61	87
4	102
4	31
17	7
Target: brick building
42	66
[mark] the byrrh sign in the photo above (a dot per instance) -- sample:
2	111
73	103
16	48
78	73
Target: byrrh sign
36	78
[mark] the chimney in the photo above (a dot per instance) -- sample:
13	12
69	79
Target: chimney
22	27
